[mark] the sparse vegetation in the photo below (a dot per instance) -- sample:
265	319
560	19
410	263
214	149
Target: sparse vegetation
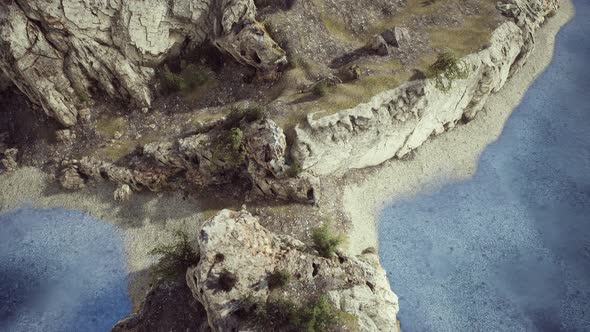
318	315
190	77
176	257
278	279
249	114
227	281
447	68
235	138
320	89
325	241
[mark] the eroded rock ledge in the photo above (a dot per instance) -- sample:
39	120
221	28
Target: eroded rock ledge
62	53
398	121
234	242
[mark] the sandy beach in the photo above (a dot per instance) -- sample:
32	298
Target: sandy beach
146	221
452	156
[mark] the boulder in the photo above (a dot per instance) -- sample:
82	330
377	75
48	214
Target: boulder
122	193
71	179
238	255
396	37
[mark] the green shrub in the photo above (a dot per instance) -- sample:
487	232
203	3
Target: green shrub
188	79
227	281
235	138
319	315
175	258
325	242
447	66
320	89
278	279
249	114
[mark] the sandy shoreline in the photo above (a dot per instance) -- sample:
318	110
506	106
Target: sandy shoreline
450	157
145	222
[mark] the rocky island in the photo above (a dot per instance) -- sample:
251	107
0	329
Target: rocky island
227	139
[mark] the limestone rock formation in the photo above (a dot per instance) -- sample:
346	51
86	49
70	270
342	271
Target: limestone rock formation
60	53
397	121
234	243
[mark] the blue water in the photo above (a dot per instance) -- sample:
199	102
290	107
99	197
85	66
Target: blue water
60	270
509	249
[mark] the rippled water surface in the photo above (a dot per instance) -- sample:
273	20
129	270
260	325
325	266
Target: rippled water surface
509	249
60	270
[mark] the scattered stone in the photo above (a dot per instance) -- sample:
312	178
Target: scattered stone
396	37
118	135
123	193
379	45
144	110
84	115
9	161
71	179
64	135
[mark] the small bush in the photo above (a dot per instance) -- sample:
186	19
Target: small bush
325	242
235	138
278	279
249	114
227	281
447	66
319	315
175	258
320	89
188	79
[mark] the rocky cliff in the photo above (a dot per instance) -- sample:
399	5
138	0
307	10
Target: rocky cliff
397	121
239	259
62	53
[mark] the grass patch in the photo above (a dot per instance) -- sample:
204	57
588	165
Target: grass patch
447	68
320	89
175	258
189	78
108	124
278	279
325	241
318	315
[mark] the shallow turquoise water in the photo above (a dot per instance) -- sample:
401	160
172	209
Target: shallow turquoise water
509	249
60	270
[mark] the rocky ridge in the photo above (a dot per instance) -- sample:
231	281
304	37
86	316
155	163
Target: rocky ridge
61	54
397	121
235	243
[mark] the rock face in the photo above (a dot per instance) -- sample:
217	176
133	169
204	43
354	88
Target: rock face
60	53
235	243
397	121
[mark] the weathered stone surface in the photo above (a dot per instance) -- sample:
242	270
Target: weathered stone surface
396	37
235	242
9	160
397	121
71	179
59	53
379	45
122	193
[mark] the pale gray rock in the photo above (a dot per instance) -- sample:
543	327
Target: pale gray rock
9	160
235	242
59	52
71	179
122	193
395	122
396	37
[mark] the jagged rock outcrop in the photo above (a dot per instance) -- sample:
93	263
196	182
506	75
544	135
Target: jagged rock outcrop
212	157
235	243
60	53
398	121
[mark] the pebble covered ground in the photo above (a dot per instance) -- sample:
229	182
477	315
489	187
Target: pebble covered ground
509	249
60	270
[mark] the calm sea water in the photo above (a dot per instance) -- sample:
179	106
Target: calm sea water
60	270
509	249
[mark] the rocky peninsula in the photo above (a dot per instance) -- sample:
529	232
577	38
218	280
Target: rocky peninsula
234	154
